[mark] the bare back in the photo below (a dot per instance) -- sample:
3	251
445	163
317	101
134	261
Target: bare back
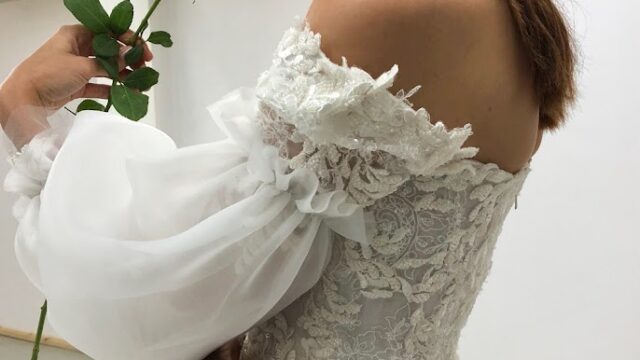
465	55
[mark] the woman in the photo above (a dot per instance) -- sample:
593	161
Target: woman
336	221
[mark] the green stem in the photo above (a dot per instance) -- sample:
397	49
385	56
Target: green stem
69	110
109	102
133	40
36	345
152	9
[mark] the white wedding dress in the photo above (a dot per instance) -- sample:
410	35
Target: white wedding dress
334	222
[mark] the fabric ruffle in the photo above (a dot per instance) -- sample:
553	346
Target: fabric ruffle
30	170
168	252
31	165
265	163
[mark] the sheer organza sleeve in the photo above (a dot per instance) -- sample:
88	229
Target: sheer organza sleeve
147	251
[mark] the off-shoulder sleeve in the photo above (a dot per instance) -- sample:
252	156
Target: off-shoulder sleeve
348	127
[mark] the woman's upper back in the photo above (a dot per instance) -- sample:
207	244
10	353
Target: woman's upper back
434	213
466	56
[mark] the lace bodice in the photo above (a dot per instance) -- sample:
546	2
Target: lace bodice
433	213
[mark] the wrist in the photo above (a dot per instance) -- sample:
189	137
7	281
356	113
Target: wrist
21	115
11	97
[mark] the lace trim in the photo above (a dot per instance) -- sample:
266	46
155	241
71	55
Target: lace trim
348	127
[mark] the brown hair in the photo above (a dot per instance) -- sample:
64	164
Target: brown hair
549	44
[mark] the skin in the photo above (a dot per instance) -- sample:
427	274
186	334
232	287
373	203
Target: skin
58	72
465	54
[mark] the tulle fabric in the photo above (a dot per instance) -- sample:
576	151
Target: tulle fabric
147	251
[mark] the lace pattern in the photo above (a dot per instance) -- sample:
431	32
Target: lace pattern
434	213
347	126
365	175
431	252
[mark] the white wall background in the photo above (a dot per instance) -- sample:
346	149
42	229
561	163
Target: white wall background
566	277
219	45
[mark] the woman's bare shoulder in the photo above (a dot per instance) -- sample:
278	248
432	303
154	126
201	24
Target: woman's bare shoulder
466	55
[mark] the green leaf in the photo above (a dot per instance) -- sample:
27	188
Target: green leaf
105	46
162	38
142	79
121	17
90	13
90	105
131	104
134	55
111	66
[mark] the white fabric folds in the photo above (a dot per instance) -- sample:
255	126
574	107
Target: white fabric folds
147	251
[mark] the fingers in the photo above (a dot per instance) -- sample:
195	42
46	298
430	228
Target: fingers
96	91
148	55
91	68
75	39
121	60
124	73
122	63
